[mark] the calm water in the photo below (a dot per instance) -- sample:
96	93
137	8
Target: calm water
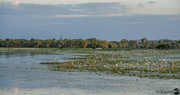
21	74
18	68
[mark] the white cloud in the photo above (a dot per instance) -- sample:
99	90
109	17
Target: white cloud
15	3
77	10
61	10
140	5
48	23
72	15
151	2
87	9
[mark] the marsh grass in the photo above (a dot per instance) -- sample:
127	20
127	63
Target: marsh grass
142	63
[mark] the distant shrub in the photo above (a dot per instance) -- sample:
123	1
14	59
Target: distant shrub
94	47
163	46
109	46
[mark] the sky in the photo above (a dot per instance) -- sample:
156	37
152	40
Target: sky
111	20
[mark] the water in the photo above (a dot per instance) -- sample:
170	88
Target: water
21	74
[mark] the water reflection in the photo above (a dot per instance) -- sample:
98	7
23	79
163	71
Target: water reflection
1	54
15	90
7	55
20	54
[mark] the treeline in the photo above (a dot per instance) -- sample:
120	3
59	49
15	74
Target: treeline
89	43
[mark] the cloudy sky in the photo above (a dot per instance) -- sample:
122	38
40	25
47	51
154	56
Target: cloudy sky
102	19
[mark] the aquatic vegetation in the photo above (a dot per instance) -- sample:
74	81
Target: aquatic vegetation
142	63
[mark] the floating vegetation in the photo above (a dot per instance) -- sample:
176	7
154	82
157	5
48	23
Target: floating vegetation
143	63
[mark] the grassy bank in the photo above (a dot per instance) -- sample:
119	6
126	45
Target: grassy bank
80	50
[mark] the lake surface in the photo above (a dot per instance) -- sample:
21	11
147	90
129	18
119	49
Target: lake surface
21	74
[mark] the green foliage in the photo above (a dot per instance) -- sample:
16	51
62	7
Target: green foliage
163	46
88	43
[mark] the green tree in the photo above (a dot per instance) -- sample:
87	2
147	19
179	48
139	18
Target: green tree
160	41
38	43
13	42
133	43
146	44
124	43
47	43
1	42
54	43
92	42
143	40
173	44
153	44
7	42
163	46
84	43
119	45
105	43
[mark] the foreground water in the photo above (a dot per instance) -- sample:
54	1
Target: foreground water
21	74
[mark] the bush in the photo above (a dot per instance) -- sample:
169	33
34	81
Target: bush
163	46
94	47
